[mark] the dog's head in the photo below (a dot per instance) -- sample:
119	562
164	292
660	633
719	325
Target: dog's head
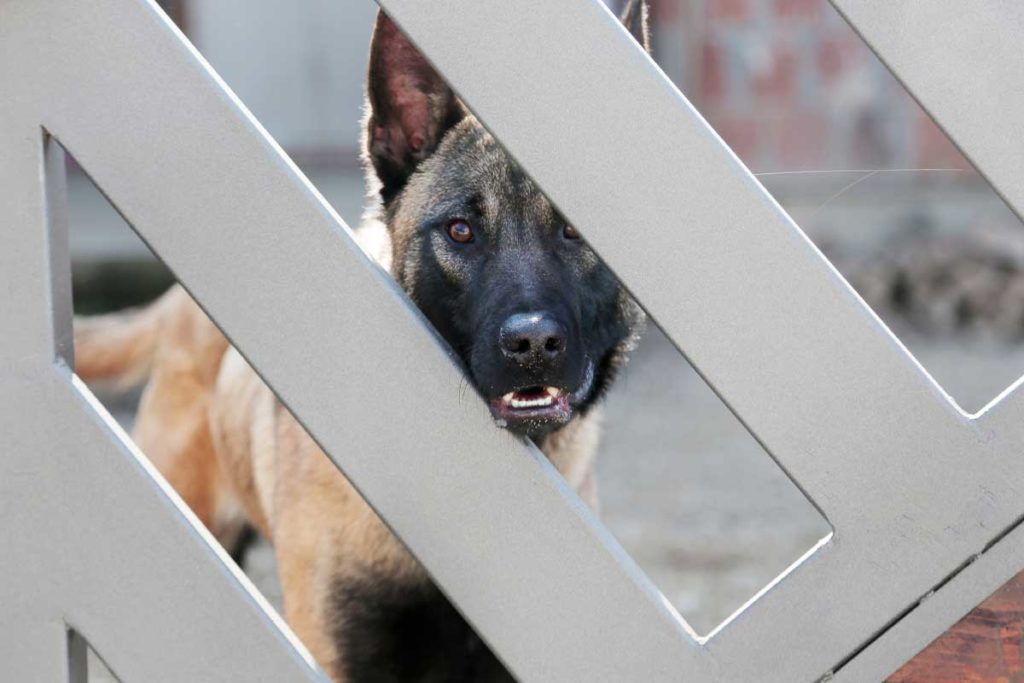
538	319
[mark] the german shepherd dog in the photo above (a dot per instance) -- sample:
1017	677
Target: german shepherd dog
540	323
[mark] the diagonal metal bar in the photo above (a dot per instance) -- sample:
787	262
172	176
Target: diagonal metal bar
90	538
985	575
93	541
832	395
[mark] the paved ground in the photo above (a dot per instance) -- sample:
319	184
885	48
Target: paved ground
684	488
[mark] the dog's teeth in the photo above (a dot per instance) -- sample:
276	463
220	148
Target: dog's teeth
545	399
553	391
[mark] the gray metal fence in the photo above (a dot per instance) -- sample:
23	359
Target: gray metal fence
924	499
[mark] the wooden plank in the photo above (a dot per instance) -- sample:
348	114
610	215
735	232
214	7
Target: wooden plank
985	646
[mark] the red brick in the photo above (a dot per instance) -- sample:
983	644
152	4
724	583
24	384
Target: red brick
984	646
663	11
934	150
744	134
712	80
731	10
778	81
802	140
807	10
838	54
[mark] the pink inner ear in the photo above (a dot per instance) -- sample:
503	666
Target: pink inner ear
408	84
412	104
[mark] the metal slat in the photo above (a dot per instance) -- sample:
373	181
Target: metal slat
90	539
93	542
938	612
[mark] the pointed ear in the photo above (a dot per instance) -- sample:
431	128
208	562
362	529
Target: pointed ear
636	20
410	107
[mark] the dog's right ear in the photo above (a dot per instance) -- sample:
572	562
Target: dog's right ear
410	107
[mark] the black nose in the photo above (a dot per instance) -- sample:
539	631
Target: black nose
530	338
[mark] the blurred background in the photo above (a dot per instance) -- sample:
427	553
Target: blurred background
829	132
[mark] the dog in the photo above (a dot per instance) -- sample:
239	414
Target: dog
540	324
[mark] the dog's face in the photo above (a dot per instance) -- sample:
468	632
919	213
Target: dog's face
535	315
538	319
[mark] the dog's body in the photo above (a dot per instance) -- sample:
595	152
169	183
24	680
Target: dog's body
540	323
237	457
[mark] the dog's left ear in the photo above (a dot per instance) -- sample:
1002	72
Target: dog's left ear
410	107
635	17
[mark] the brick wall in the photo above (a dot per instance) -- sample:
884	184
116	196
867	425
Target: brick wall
789	85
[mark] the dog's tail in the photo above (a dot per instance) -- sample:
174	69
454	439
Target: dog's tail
119	347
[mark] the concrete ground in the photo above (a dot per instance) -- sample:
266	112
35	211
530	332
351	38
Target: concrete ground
684	488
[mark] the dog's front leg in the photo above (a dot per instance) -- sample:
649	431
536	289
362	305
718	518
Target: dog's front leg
305	587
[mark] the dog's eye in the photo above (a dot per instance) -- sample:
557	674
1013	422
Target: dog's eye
460	231
570	233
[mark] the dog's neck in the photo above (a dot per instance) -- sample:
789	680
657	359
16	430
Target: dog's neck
572	448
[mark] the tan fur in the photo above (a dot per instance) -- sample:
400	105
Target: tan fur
119	348
234	453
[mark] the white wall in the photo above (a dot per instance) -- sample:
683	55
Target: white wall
298	66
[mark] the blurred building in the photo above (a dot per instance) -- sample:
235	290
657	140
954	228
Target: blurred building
786	83
789	85
299	67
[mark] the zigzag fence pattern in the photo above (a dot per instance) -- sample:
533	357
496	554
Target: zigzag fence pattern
924	499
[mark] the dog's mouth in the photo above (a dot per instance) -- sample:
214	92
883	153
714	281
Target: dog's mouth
538	404
540	407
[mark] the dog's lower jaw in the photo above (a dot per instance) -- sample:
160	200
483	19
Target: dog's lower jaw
532	413
538	410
